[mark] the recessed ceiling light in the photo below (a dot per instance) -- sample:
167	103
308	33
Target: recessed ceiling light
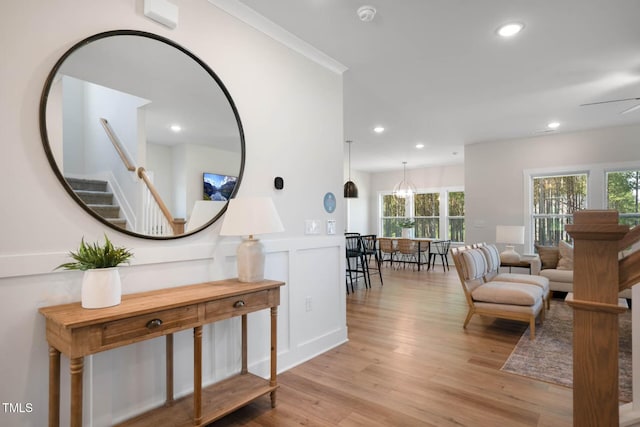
378	129
419	145
176	128
510	29
553	125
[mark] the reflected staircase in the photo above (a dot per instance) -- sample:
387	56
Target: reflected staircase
95	194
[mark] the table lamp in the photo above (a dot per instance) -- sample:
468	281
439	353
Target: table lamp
511	235
248	216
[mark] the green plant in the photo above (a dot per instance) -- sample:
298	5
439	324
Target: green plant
407	223
95	255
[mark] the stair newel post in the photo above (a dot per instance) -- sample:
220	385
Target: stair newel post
596	236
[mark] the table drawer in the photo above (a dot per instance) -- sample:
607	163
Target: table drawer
134	327
234	306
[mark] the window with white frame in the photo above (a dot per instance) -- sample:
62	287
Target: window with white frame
455	216
622	195
437	214
554	200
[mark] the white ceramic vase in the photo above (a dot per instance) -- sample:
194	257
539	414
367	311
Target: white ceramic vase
101	288
407	233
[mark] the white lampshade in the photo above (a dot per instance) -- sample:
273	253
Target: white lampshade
248	216
511	235
203	211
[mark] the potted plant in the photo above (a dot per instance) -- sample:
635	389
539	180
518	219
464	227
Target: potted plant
101	285
407	225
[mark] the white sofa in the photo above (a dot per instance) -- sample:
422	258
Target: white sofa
560	278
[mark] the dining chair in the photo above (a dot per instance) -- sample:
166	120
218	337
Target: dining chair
370	245
388	250
356	261
408	251
439	248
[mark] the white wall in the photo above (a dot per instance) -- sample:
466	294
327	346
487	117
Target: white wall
291	110
494	172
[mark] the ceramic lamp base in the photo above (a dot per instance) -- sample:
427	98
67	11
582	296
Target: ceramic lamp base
250	257
509	255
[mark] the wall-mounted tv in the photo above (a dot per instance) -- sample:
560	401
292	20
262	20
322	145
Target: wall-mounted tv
217	187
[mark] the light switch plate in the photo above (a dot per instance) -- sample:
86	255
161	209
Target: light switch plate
331	226
311	226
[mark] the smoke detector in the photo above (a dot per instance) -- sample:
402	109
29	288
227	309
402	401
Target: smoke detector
366	13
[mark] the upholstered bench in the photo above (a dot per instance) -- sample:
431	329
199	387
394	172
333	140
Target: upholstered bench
492	256
496	298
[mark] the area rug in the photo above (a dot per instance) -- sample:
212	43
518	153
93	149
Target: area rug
550	356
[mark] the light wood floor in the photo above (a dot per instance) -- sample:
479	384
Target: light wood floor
409	362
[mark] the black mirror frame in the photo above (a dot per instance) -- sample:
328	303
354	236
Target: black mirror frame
45	137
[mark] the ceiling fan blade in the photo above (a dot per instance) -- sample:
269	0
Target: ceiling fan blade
628	110
612	100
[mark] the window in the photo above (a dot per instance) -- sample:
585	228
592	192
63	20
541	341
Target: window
393	211
427	214
622	195
555	199
455	217
437	214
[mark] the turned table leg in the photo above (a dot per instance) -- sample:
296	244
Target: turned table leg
197	375
54	387
274	353
76	368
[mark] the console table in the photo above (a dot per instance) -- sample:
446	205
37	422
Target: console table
77	332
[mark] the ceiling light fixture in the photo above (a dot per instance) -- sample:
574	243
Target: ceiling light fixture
404	188
378	129
350	188
553	125
510	29
419	146
366	13
176	128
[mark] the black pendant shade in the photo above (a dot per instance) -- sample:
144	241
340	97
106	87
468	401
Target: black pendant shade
350	190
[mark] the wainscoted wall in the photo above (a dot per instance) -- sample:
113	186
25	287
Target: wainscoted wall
291	110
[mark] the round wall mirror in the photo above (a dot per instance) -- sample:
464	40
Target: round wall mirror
142	134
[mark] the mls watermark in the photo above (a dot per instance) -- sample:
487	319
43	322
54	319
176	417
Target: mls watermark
17	408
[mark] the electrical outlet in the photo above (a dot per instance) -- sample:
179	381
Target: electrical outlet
307	303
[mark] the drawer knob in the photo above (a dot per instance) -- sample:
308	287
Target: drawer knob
155	323
239	304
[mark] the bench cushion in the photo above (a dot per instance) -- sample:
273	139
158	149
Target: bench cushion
507	293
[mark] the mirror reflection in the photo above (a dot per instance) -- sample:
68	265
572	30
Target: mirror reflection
143	135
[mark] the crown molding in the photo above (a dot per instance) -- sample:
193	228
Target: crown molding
249	16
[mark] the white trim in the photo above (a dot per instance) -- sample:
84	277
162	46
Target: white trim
259	22
33	264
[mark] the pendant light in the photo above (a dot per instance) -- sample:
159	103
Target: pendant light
404	188
350	189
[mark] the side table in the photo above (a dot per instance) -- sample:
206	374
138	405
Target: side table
525	262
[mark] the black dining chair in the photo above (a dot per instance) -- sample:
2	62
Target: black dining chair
439	248
371	250
356	261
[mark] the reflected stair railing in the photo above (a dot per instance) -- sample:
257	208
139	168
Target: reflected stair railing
156	217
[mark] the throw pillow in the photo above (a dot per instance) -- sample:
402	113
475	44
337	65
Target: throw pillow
566	256
549	256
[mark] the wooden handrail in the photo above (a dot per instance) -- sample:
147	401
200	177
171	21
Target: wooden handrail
117	145
142	174
631	238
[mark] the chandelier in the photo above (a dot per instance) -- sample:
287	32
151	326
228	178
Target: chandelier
404	188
